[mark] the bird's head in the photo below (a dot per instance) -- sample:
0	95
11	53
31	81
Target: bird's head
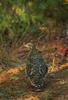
30	46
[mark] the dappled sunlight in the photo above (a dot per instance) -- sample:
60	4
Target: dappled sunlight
55	69
15	70
5	75
66	64
28	97
21	90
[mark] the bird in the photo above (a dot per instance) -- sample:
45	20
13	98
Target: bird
36	68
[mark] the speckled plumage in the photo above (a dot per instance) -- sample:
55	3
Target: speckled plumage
36	68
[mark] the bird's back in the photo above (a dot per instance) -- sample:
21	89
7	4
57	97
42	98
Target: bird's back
36	66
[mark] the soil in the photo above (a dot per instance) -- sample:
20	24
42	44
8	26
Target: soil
14	85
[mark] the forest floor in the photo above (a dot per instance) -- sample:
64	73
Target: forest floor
14	84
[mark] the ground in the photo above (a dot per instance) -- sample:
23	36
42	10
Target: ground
56	87
14	84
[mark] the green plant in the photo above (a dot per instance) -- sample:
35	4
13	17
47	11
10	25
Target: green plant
22	16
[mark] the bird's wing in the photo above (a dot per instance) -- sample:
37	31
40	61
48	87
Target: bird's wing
43	69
